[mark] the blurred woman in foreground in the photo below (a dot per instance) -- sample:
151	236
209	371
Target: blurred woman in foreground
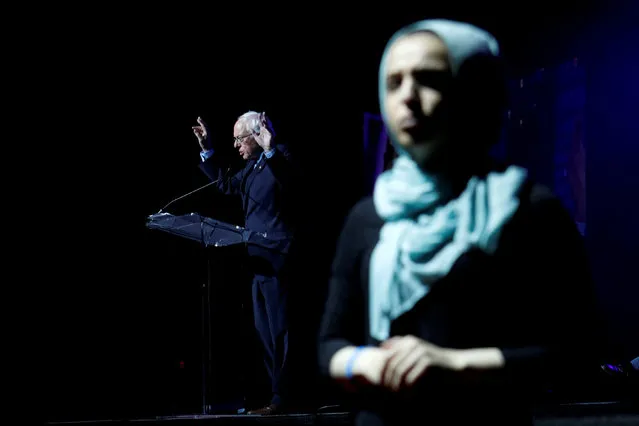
460	283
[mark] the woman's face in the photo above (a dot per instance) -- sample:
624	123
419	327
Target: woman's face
417	77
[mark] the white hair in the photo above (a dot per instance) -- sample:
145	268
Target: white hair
250	121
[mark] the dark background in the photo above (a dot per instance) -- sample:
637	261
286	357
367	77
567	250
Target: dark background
121	304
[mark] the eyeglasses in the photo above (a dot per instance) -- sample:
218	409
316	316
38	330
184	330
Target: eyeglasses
239	139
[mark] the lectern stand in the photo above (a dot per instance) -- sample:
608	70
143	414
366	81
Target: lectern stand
210	233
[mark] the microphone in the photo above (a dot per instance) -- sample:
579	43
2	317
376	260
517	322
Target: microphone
194	191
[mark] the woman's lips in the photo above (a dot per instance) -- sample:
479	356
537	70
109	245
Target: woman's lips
408	123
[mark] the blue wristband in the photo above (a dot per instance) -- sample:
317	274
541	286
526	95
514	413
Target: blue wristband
351	361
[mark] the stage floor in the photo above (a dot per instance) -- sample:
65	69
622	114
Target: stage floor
609	413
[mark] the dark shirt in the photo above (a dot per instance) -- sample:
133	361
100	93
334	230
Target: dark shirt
532	299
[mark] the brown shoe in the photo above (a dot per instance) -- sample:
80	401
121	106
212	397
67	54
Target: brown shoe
269	410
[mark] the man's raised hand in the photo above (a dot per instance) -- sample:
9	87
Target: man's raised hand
202	134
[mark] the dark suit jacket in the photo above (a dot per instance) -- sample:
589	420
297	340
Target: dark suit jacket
267	199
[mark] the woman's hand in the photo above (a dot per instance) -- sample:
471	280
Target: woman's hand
366	365
369	365
409	358
402	361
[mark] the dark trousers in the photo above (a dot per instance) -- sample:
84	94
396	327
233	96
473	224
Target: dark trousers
271	321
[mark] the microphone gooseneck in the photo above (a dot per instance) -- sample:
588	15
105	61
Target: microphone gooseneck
194	191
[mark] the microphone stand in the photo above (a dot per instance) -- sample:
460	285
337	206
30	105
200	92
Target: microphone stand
194	191
186	195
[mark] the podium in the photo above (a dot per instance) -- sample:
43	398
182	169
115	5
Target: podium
209	232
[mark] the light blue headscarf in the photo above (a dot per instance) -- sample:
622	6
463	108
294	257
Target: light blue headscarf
425	233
